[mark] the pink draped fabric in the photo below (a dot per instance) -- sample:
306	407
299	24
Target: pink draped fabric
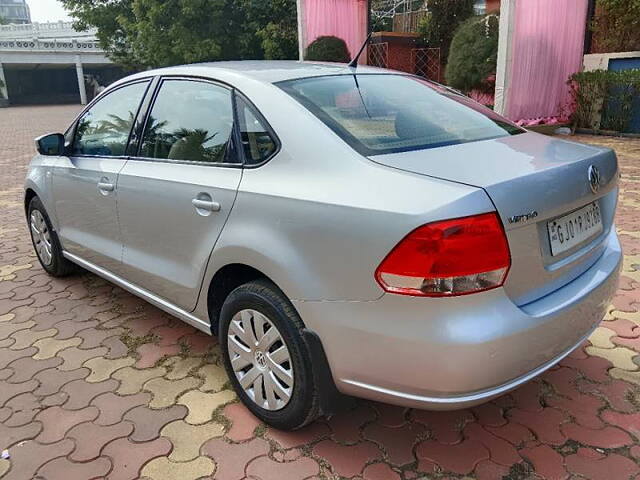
547	48
482	97
346	19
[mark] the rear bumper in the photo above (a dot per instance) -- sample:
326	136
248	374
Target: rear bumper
456	352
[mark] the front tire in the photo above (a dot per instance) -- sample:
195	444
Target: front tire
266	357
45	241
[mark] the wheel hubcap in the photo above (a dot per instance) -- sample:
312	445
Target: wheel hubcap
260	359
41	237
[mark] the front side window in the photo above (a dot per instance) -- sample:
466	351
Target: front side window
258	144
190	121
386	113
104	129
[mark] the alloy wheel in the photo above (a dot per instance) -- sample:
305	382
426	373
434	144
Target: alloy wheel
260	359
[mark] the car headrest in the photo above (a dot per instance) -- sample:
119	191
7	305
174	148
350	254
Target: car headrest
410	124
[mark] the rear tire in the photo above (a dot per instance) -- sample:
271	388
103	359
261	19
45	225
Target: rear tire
45	241
247	316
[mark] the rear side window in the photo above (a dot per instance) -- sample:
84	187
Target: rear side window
104	129
378	114
258	144
190	121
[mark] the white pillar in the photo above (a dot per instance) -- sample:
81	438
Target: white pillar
4	91
301	29
505	52
81	86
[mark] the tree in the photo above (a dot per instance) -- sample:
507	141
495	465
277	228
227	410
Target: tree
156	33
616	26
443	19
108	16
275	24
3	21
170	32
473	55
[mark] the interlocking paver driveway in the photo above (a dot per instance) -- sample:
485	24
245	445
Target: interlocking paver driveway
97	383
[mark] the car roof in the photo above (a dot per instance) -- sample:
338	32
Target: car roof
267	71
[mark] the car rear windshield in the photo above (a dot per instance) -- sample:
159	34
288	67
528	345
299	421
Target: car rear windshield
387	113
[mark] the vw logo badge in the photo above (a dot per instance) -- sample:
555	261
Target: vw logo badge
594	179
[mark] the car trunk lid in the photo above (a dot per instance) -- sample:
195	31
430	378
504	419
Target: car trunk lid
531	180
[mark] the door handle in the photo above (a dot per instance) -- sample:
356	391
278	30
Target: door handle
105	186
208	205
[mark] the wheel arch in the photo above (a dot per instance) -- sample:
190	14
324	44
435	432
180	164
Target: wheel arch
224	281
38	185
29	194
231	276
31	191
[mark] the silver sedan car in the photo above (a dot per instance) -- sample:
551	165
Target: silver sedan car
344	231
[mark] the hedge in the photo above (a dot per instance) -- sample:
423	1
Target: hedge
328	49
603	99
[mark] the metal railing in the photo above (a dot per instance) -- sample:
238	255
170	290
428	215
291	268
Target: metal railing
378	55
49	31
71	45
426	63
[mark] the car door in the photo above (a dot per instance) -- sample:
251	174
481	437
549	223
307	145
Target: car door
85	183
176	194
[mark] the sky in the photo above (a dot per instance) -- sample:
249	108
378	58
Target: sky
47	11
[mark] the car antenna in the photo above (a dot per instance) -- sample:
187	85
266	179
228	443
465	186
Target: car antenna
354	63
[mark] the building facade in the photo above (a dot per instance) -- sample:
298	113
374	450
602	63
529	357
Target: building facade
51	63
15	11
483	7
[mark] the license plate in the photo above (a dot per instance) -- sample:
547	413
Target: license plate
568	231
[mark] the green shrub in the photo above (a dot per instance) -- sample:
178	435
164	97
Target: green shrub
473	55
278	42
603	99
328	49
275	23
441	22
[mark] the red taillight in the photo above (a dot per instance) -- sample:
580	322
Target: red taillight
451	257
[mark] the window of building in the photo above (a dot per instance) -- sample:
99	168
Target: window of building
480	7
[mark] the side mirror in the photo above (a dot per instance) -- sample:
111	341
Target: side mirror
50	144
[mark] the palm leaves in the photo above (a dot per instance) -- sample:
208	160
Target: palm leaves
190	145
